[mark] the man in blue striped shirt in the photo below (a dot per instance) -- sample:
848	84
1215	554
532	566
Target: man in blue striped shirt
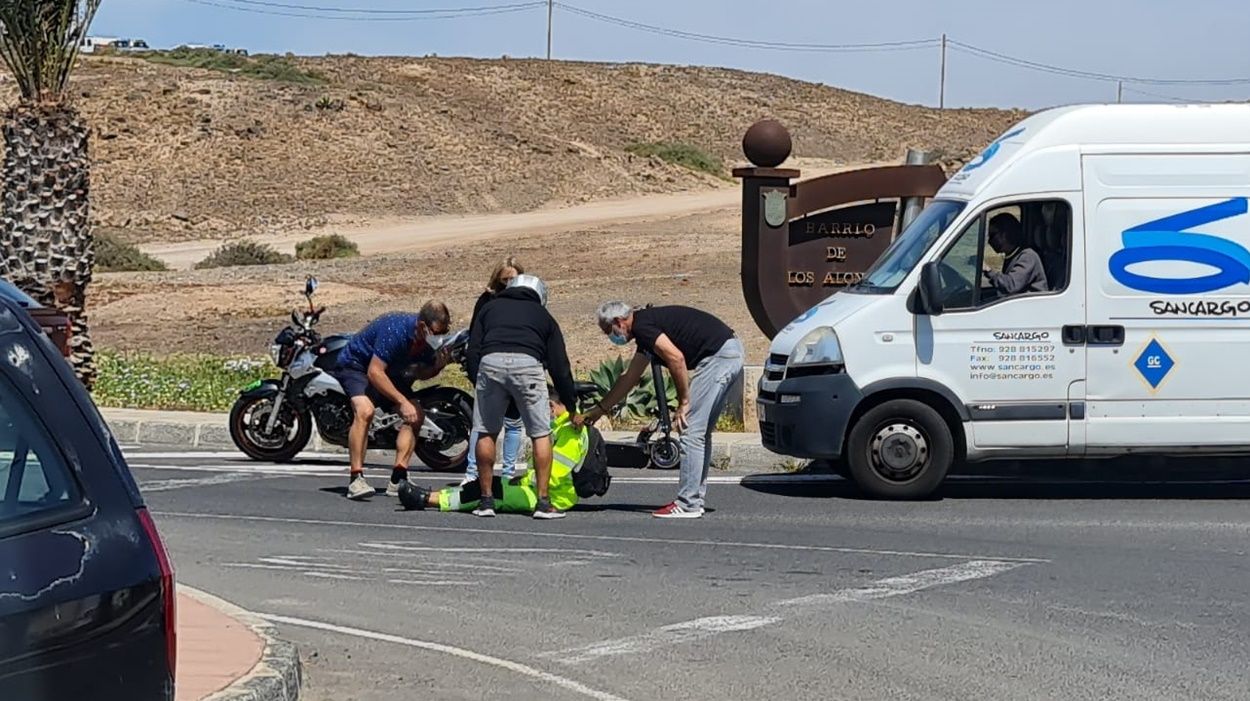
374	371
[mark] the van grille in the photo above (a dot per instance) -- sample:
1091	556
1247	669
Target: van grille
775	370
768	433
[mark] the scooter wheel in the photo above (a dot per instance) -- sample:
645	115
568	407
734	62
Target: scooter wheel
666	454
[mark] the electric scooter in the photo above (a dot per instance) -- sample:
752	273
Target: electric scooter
656	447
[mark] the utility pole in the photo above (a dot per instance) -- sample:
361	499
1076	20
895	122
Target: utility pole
942	84
551	5
1119	91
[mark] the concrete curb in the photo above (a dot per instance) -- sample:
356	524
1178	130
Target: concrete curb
276	677
731	452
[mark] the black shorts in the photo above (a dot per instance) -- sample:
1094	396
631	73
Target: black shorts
356	383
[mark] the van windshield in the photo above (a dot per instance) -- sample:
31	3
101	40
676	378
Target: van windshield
898	260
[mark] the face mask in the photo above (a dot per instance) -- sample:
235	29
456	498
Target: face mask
617	338
436	341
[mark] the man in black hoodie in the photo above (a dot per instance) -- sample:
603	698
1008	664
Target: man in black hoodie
513	343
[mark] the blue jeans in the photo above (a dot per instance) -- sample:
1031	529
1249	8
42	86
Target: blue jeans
511	448
709	390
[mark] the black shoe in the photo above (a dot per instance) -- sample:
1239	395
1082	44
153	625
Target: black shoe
546	511
485	507
413	498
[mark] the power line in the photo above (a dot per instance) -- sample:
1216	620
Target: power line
749	43
324	12
376	11
445	14
1091	75
1171	98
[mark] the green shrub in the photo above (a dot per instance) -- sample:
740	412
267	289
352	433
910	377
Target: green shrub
263	67
328	104
326	248
243	253
684	155
112	255
174	383
641	401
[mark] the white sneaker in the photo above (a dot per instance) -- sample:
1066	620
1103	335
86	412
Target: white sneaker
361	489
392	488
468	480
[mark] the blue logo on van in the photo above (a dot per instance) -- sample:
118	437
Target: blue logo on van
1169	239
991	150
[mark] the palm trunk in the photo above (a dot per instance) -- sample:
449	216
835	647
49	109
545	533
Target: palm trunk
46	246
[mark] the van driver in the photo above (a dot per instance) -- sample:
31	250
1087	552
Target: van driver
1022	266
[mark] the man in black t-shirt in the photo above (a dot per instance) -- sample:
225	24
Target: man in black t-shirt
705	359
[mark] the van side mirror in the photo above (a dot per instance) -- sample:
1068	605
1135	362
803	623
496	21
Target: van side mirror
929	293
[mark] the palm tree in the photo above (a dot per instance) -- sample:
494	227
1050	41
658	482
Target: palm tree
46	246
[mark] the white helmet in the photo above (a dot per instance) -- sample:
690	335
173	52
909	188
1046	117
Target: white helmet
531	282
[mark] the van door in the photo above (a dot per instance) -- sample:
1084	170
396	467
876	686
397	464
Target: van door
999	348
1169	301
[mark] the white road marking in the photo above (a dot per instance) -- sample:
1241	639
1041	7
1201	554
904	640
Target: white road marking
509	665
168	484
298	470
908	583
676	634
435	582
318	574
480	570
203	454
702	628
491	551
333	575
478	533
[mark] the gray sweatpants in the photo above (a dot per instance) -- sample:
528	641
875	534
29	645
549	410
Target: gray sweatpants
709	388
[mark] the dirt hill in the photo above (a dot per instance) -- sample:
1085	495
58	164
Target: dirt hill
192	153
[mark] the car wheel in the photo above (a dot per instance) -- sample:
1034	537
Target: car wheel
901	449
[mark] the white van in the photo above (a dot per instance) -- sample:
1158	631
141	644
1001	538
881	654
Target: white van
1136	341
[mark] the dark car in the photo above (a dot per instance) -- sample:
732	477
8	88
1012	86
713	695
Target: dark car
86	587
53	323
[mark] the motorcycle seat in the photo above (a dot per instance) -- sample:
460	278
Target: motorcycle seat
585	389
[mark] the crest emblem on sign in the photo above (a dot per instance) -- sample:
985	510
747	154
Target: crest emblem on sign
775	208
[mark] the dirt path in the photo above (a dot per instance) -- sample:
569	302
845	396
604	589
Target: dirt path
408	235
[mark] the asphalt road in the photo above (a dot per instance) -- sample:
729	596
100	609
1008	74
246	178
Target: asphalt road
1001	589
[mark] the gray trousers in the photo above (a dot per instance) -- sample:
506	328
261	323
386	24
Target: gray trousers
709	388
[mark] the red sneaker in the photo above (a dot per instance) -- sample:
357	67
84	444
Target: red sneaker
675	510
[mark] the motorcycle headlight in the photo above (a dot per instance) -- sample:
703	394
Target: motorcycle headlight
820	347
275	352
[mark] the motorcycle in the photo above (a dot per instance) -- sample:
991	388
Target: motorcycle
272	420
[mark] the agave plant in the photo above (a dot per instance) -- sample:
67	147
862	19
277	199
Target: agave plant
46	247
642	400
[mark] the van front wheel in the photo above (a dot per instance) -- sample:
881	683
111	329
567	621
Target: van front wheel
900	450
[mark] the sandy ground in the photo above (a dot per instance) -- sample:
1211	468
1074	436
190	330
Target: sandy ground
665	249
690	260
406	235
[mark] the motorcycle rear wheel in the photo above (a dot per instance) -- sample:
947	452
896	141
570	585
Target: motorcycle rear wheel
453	413
291	434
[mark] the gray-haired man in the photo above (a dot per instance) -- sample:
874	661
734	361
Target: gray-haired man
705	359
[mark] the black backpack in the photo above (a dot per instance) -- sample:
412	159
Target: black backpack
592	478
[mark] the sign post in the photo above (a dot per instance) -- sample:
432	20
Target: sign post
804	241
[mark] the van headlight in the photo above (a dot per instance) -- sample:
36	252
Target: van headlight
820	347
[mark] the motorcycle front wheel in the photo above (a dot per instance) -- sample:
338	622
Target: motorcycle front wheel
290	435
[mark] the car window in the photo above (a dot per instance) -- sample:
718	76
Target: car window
1044	228
33	475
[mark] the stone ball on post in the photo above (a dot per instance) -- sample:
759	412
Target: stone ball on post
767	144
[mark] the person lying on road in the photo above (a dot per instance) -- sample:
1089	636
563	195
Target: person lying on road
571	446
